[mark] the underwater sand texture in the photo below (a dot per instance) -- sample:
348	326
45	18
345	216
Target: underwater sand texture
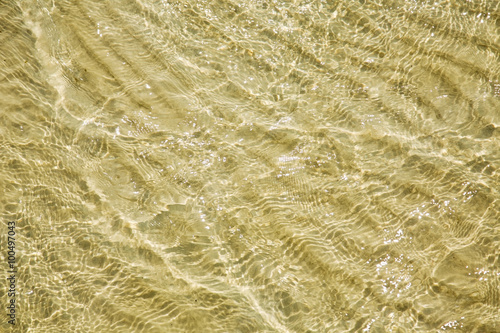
251	166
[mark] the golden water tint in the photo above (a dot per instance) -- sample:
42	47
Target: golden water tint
253	166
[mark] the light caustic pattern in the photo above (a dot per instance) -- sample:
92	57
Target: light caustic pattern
252	166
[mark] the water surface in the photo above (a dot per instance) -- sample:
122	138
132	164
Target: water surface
252	166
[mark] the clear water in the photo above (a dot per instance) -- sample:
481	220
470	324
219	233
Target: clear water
251	166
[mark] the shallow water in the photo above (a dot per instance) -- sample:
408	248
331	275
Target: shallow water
253	166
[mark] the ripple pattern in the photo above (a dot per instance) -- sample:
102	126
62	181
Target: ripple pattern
252	166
